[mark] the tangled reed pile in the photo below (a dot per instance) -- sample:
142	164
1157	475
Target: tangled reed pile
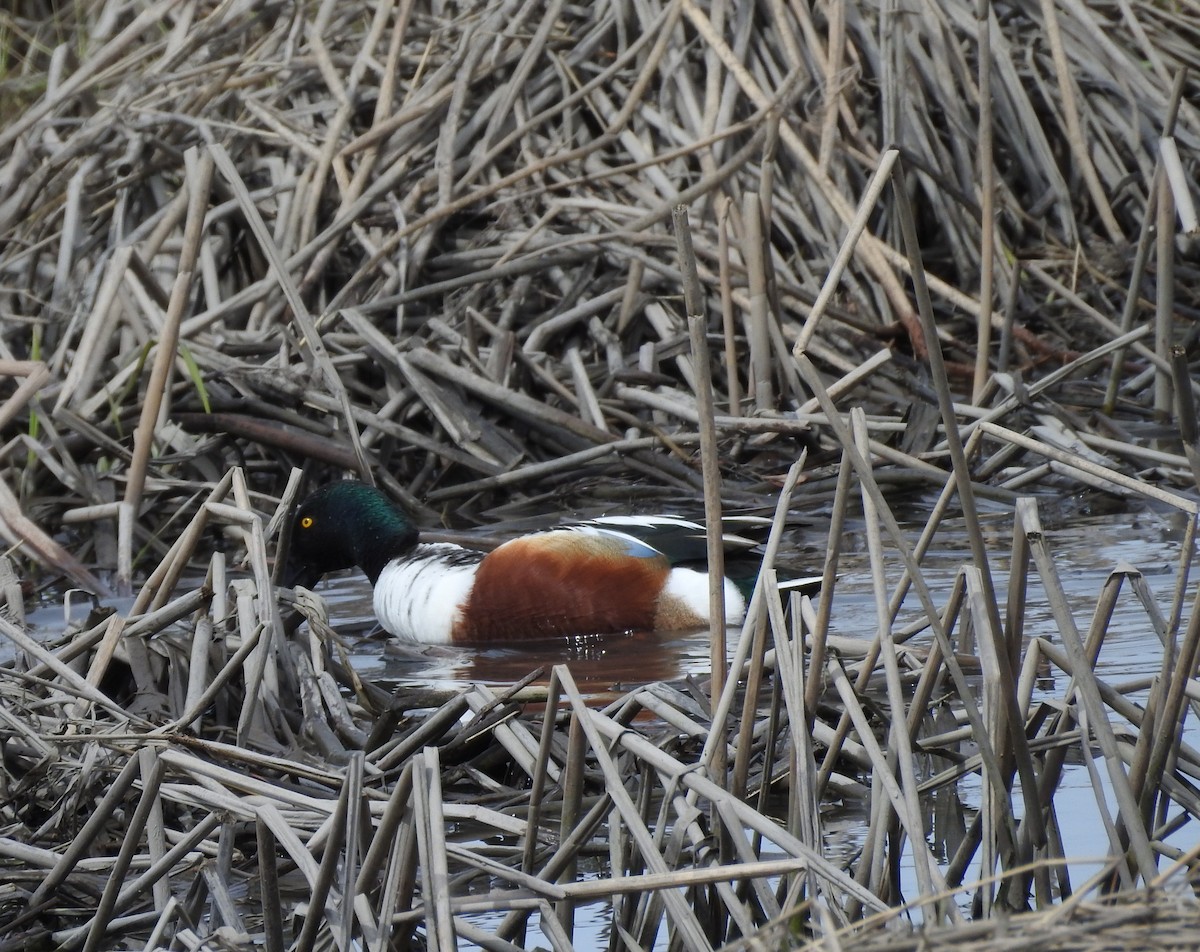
438	242
439	245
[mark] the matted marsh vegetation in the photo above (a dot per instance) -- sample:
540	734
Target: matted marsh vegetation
513	257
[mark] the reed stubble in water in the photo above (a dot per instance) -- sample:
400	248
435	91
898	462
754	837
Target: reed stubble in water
435	251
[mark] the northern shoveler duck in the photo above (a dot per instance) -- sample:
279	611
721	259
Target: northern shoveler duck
599	577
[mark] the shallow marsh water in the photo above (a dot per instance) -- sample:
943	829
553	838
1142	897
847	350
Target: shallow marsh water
1087	547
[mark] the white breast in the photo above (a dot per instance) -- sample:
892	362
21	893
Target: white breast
686	590
420	597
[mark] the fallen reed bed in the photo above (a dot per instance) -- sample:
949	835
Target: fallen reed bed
437	249
514	260
186	774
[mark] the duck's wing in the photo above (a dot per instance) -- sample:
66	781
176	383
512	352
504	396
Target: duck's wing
680	540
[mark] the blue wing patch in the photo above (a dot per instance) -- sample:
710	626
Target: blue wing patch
631	545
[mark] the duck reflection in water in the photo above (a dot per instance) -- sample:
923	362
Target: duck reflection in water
602	666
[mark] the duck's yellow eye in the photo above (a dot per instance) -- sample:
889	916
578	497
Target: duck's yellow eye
306	522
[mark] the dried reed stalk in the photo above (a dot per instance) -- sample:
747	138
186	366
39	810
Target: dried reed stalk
436	253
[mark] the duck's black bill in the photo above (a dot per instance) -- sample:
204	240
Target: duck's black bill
296	573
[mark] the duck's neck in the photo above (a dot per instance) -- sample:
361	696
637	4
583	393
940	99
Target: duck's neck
381	542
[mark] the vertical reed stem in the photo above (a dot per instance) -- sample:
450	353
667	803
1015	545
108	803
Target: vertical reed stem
198	181
733	382
709	461
757	331
1164	299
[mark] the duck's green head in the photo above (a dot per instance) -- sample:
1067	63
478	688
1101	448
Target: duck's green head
343	525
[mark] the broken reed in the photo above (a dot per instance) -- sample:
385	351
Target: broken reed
381	241
204	776
669	874
395	243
